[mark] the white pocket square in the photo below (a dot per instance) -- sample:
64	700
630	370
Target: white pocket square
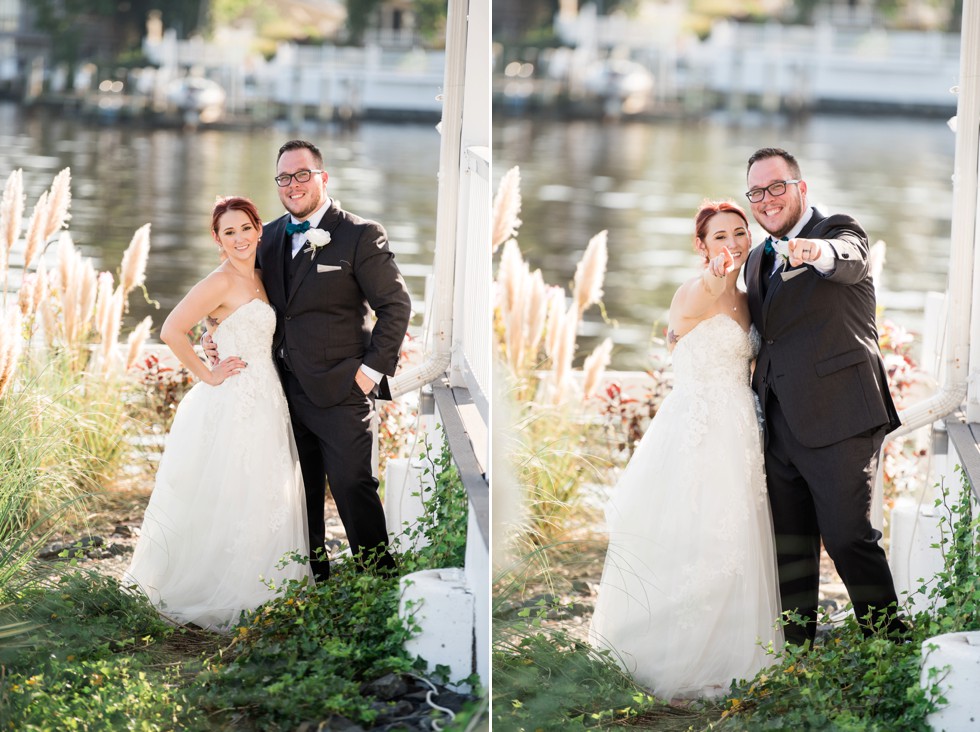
327	268
791	273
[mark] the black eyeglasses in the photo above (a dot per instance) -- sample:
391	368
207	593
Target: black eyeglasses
301	176
775	189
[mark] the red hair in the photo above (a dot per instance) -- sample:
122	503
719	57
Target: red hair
711	208
224	204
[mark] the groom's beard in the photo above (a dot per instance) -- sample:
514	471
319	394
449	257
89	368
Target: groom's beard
792	213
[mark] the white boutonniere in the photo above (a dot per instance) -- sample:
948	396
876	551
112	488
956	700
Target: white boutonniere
316	238
782	251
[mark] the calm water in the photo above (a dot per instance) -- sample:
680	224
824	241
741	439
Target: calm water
124	177
644	182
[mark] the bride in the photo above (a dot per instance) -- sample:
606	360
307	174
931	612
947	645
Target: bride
228	502
688	600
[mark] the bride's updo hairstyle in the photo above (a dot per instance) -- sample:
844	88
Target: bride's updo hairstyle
224	204
708	209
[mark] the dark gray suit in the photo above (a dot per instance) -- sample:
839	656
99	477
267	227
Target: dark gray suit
824	393
323	334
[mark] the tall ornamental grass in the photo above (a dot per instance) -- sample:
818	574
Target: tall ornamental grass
552	443
62	368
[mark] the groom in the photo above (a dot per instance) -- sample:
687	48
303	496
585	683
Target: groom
325	270
822	385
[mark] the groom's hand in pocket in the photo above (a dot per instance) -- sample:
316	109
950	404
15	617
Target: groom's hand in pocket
364	382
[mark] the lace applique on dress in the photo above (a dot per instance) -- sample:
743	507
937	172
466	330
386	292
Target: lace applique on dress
228	502
247	333
710	362
688	591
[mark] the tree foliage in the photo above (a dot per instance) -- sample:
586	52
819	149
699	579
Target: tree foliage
359	14
101	30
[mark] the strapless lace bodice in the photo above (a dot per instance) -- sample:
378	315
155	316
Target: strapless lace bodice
716	353
247	332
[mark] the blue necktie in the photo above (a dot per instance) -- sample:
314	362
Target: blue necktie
769	248
300	228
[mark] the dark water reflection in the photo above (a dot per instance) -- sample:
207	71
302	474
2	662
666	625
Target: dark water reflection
124	177
643	182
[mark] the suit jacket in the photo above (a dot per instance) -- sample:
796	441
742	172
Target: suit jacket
819	352
324	321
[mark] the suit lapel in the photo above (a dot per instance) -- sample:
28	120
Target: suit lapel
304	266
273	275
776	281
753	285
330	222
811	224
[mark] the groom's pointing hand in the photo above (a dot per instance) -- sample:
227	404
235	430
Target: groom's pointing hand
803	251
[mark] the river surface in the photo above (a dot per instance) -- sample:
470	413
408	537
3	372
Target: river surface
643	183
126	176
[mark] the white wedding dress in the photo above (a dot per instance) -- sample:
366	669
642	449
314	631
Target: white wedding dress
228	502
689	591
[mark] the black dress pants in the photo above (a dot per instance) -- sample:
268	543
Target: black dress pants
335	446
826	492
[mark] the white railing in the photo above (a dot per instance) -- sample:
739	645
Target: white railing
323	76
811	64
472	353
825	64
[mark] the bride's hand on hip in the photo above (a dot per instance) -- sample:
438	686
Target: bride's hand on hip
225	368
210	349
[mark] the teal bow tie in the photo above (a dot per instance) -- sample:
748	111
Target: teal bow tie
300	228
769	248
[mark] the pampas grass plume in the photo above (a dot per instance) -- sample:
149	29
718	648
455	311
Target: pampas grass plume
11	210
595	366
132	272
10	345
506	207
41	286
110	330
536	312
564	352
69	283
58	204
66	261
87	288
35	230
134	344
509	276
103	301
590	272
25	296
554	320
